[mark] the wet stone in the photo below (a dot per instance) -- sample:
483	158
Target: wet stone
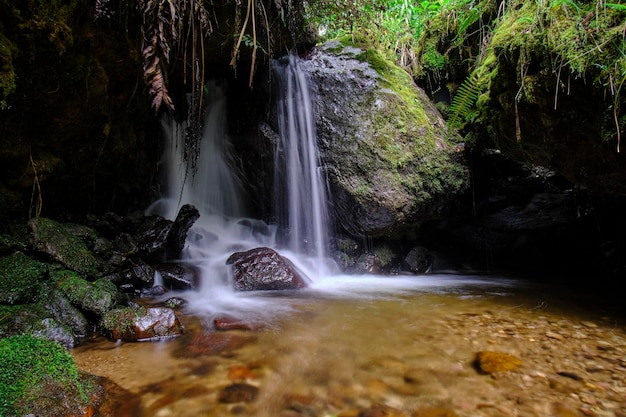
210	343
230	323
490	362
263	269
139	324
238	392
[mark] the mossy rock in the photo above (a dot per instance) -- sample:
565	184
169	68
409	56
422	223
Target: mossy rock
141	323
20	277
96	297
54	240
39	377
391	161
35	320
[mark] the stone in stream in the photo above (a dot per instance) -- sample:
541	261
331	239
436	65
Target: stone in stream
263	269
238	392
134	324
490	362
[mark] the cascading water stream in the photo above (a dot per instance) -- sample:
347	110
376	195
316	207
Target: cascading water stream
300	187
216	190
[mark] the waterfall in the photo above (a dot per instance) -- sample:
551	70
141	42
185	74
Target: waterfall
300	186
216	188
218	193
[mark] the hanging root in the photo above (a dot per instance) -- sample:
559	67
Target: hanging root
36	203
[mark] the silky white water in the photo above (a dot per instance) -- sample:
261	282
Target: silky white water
300	186
216	190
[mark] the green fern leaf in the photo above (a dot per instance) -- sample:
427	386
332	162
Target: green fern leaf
464	101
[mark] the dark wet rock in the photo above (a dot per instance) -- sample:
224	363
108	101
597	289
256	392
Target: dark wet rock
345	252
96	297
419	260
530	219
264	269
119	260
177	276
35	320
154	291
64	312
213	343
186	217
152	237
103	247
366	263
231	323
54	240
20	277
175	302
125	244
238	392
50	329
542	211
140	276
140	323
389	158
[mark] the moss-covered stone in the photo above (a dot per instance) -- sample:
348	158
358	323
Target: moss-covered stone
141	323
54	240
96	297
20	277
392	162
39	377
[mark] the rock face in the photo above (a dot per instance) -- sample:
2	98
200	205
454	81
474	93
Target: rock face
264	269
389	162
52	239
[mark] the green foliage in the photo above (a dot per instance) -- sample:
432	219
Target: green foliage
464	101
19	278
7	71
31	370
392	26
23	25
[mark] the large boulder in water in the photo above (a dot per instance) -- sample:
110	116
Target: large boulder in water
390	162
264	269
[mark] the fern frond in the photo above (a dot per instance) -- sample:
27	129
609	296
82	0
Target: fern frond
464	101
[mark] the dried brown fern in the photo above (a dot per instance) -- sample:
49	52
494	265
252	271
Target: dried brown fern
160	20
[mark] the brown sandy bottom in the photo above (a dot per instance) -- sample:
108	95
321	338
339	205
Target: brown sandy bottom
404	355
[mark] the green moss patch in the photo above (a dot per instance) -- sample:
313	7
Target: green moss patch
53	239
20	277
39	377
97	297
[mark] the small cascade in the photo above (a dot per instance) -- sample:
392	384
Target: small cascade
217	192
158	279
215	189
300	186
